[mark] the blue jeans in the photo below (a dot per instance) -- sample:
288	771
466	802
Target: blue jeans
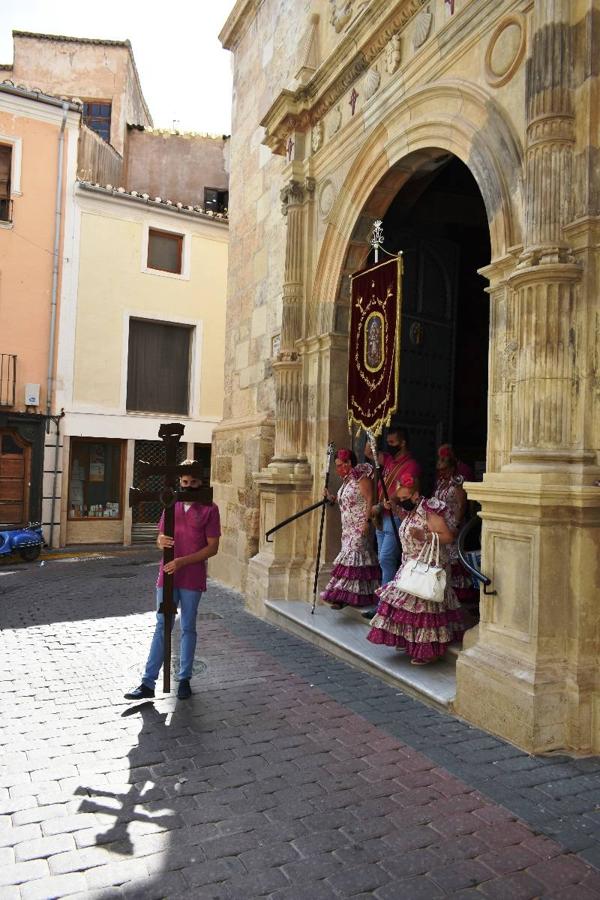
187	602
387	550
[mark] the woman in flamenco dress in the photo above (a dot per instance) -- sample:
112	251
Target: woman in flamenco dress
449	489
420	628
355	574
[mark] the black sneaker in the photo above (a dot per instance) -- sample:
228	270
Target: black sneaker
368	612
143	692
184	691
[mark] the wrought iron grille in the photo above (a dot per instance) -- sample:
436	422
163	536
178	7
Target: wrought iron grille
8	379
153	452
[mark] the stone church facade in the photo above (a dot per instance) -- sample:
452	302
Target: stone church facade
342	110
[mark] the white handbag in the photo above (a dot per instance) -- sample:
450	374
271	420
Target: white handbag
424	577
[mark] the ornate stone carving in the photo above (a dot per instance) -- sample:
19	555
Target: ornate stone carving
393	54
316	138
423	24
505	50
371	83
291	194
341	13
336	120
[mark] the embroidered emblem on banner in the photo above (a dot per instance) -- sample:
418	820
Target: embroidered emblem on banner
374	349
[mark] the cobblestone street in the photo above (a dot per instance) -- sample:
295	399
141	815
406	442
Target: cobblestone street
287	775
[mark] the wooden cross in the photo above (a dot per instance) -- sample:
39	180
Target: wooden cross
168	497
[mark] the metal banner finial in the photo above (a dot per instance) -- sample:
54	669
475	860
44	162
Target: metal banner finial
377	237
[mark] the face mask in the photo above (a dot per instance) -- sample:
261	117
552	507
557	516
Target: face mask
407	504
393	448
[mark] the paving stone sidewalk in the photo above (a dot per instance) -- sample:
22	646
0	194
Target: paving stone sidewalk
288	775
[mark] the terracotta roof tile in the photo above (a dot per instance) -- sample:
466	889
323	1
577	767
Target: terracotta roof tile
140	197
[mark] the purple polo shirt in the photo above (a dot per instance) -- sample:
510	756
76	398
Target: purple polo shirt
192	528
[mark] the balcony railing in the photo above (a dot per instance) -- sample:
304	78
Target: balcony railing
8	379
6	210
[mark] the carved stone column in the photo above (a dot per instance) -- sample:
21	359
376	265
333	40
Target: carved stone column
548	424
281	569
534	656
287	367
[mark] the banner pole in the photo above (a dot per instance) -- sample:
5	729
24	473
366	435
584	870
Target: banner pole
330	452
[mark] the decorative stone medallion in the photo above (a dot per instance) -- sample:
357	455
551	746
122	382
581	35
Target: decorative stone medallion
341	13
326	198
393	54
505	50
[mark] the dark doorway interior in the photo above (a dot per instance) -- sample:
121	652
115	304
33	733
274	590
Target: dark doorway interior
439	221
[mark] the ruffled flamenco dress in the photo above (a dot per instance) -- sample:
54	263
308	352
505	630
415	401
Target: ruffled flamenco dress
422	628
355	574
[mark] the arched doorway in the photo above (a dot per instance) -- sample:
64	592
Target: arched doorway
438	220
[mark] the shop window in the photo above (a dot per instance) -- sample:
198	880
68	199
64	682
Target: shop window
165	251
5	168
95	479
158	368
215	200
97	117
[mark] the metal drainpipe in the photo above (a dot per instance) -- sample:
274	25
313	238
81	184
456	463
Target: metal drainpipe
56	420
53	306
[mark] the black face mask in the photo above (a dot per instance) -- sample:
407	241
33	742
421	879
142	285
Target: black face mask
408	504
393	448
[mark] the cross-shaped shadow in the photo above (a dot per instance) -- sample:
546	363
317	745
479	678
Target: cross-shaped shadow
131	803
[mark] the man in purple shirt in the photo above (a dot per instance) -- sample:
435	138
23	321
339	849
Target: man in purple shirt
197	533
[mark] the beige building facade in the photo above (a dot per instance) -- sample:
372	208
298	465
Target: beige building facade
141	342
472	130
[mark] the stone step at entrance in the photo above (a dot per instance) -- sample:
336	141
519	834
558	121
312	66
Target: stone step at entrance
343	633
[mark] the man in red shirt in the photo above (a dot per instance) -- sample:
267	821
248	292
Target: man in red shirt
396	463
197	533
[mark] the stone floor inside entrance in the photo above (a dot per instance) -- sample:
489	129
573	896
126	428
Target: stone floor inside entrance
343	633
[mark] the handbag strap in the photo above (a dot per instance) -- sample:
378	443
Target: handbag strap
433	557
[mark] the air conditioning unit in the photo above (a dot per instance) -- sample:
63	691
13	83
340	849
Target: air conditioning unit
32	395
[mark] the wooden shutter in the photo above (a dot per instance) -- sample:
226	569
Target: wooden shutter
158	367
5	165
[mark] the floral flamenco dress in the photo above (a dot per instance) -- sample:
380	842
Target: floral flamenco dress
447	491
355	574
422	628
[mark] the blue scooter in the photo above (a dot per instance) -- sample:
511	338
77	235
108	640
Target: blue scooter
27	541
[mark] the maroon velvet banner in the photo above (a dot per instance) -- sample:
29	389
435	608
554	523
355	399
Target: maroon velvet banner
374	351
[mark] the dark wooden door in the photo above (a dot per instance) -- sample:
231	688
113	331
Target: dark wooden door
15	474
425	391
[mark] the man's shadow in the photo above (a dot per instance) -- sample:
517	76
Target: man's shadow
154	727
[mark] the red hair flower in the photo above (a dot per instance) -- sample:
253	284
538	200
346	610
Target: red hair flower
344	455
406	480
445	451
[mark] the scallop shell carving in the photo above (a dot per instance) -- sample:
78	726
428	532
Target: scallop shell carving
336	120
422	28
371	83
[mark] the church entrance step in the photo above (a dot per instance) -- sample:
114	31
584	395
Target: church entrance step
343	633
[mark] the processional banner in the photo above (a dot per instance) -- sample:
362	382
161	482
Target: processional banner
374	351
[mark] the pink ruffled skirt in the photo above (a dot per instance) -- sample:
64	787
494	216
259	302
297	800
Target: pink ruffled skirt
354	579
421	628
